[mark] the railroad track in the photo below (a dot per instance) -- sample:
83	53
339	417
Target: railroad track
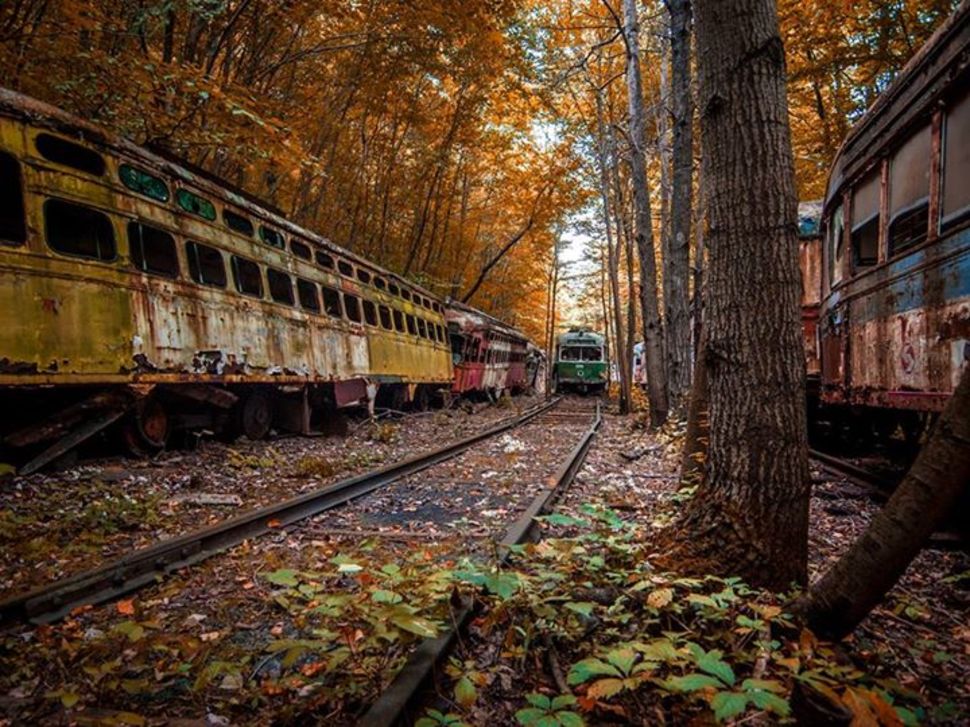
146	566
879	488
407	686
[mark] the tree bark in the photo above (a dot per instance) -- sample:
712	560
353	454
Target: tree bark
750	516
650	308
612	253
926	496
677	251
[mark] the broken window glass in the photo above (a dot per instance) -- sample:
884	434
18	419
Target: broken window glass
74	229
352	306
307	292
331	302
246	274
273	238
280	286
206	265
152	250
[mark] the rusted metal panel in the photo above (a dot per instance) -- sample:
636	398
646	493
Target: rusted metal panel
900	336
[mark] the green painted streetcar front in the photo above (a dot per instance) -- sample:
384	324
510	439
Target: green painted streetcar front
581	362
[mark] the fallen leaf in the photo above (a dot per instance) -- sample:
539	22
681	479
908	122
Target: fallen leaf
126	608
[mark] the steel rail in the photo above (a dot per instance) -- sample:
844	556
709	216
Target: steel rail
879	487
390	707
129	573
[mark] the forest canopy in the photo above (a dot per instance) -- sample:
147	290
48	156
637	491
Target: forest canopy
425	135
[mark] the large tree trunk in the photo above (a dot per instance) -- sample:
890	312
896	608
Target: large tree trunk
750	517
652	327
926	496
677	251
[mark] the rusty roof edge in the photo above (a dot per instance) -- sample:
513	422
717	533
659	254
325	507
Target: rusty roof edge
490	319
902	80
41	113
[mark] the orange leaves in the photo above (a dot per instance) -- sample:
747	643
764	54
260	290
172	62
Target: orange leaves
126	608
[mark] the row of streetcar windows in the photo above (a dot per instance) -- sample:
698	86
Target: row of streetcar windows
470	349
581	353
76	156
74	229
908	195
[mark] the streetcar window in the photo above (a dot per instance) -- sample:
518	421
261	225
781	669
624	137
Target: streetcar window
412	328
62	151
195	204
331	302
153	250
422	331
380	283
246	274
307	292
592	354
956	163
363	276
385	313
352	306
909	192
406	294
271	237
393	289
13	228
324	260
370	313
398	321
300	250
280	286
345	268
138	180
441	332
76	230
836	232
865	221
205	264
237	223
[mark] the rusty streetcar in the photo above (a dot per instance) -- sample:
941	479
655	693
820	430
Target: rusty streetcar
894	313
139	291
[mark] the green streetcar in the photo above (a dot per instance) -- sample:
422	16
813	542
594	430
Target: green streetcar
580	363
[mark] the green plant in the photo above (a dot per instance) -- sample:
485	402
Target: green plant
546	712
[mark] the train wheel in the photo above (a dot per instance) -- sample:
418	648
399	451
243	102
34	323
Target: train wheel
146	428
256	415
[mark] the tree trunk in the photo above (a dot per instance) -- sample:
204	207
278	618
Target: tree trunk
612	253
652	327
750	517
677	252
926	496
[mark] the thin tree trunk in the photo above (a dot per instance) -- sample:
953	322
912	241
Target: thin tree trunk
677	250
927	495
612	256
750	517
652	327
